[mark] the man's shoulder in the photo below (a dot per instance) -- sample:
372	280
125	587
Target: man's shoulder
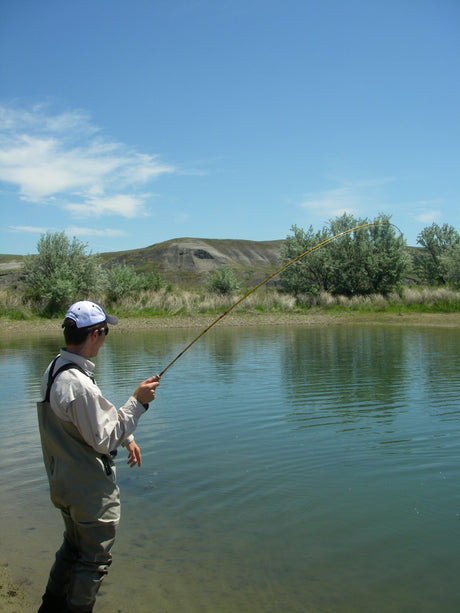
72	382
72	372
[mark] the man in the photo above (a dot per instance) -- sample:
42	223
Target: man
80	432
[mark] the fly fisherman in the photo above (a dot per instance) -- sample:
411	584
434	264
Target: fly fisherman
80	433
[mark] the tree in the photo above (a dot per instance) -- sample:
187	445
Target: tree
223	281
451	265
439	243
61	273
313	273
366	261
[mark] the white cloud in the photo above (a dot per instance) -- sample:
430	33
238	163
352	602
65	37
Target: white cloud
121	204
107	232
428	216
70	231
37	119
354	198
63	160
332	202
28	229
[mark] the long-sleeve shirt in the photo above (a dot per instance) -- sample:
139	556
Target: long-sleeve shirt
76	398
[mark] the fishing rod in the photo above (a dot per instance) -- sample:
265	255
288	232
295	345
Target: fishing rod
277	272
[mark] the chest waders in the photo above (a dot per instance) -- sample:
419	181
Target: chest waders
83	486
81	479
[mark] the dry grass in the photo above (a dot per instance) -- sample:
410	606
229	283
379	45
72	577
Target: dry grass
266	300
15	305
417	298
192	303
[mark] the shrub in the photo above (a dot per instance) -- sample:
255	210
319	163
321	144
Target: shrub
439	261
122	280
61	273
223	281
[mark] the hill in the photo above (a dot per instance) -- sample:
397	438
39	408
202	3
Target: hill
189	261
10	270
183	262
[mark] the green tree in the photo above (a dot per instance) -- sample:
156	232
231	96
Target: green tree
61	273
369	260
313	273
223	281
451	265
438	243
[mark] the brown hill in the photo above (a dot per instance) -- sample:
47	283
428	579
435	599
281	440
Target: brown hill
189	261
11	273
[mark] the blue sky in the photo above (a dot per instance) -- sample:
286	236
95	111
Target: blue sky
126	124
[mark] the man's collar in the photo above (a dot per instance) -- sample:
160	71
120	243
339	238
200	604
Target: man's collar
68	356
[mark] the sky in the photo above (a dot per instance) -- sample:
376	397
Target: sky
129	123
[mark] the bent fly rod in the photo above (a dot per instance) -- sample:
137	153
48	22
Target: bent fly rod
277	272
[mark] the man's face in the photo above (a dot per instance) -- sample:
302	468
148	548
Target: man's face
98	339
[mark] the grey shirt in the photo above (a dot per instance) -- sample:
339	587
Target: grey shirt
76	399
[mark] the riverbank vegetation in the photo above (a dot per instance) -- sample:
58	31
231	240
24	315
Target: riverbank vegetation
368	270
167	303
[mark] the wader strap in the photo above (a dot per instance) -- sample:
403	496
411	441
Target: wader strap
52	375
51	378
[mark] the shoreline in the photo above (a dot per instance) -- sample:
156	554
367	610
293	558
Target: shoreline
48	326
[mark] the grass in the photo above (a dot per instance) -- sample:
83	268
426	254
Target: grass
165	302
438	300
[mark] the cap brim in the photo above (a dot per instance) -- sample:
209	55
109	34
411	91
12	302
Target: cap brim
110	319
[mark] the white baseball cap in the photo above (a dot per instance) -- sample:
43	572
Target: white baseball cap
87	313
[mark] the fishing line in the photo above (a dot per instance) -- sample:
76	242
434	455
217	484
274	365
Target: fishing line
277	272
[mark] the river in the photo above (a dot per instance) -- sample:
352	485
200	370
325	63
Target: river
295	469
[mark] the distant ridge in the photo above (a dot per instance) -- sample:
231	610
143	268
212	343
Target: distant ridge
189	261
186	262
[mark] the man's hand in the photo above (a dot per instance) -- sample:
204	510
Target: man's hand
145	393
134	454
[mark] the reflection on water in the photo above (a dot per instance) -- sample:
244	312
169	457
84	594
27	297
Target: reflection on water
284	469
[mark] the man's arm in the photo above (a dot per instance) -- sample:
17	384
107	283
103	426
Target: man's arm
98	421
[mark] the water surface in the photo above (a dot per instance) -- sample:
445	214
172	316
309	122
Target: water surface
297	469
